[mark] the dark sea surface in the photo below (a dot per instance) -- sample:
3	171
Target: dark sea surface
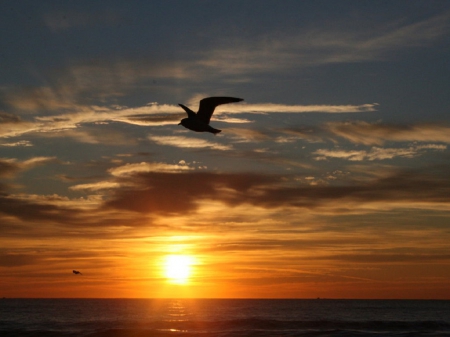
222	318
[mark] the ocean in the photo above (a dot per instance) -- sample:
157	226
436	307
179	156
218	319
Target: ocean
222	317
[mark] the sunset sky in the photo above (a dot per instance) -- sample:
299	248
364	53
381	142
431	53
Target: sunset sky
331	179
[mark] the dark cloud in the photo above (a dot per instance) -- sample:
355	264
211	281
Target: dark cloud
33	218
296	244
16	260
180	193
404	186
8	168
378	133
313	134
385	258
157	193
169	193
34	211
6	118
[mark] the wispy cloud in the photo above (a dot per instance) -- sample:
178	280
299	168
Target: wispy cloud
313	47
377	133
377	153
16	260
188	142
247	135
10	166
283	108
91	135
103	185
83	85
120	173
63	202
18	143
131	169
151	115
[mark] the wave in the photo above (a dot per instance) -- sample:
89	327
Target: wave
253	327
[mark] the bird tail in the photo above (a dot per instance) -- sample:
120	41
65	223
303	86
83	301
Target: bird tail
215	131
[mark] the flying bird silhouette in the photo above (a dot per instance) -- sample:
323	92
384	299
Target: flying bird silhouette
76	272
199	121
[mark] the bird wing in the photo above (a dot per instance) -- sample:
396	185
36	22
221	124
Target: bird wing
207	106
191	114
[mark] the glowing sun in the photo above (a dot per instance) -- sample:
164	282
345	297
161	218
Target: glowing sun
178	268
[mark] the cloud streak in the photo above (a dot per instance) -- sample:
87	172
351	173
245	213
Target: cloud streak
180	193
152	115
9	167
189	142
378	133
377	153
312	47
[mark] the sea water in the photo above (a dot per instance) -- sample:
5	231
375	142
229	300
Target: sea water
222	317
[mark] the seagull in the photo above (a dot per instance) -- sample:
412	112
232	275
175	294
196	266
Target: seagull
76	272
199	121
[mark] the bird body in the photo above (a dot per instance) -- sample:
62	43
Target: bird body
199	121
76	272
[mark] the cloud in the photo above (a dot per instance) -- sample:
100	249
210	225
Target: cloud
377	153
92	135
152	120
40	98
311	134
188	142
154	193
232	120
131	169
376	257
161	114
184	193
81	86
32	162
9	167
12	125
418	34
247	135
282	108
377	133
90	202
6	118
167	193
17	260
24	143
95	186
28	210
311	47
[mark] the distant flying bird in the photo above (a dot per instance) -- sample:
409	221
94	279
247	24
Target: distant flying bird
199	121
76	272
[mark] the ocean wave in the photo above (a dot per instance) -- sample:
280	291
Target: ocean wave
223	318
253	327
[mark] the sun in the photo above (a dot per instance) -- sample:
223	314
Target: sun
177	268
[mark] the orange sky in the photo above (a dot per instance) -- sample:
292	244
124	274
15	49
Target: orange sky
330	179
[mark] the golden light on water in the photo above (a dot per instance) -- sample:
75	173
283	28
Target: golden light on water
178	268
